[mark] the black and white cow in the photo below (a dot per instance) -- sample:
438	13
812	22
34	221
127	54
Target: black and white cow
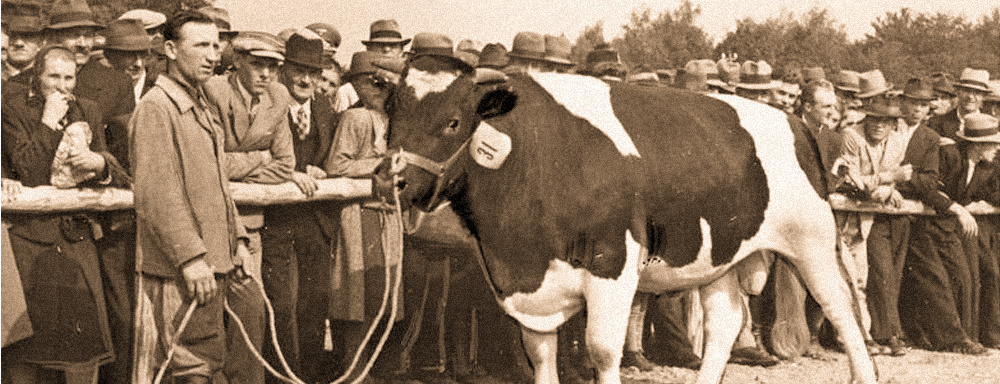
562	178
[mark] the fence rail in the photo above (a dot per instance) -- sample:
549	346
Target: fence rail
51	199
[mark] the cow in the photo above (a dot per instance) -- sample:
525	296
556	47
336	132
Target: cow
563	179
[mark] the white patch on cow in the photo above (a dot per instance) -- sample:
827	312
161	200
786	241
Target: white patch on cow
660	277
489	147
590	99
556	300
424	82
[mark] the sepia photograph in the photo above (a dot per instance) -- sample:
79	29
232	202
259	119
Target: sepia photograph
500	192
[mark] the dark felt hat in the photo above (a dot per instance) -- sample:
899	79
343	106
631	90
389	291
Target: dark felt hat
368	63
304	50
558	49
71	14
494	55
385	31
918	89
437	45
22	17
528	45
126	35
882	109
757	75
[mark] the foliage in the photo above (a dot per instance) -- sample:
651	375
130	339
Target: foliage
591	37
106	10
667	40
786	42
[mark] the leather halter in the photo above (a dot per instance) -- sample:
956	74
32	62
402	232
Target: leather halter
438	169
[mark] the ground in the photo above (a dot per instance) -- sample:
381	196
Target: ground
917	367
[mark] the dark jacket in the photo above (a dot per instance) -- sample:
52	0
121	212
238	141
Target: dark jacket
985	183
945	125
922	153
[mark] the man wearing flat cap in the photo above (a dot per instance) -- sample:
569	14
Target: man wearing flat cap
384	39
296	238
220	16
972	88
252	108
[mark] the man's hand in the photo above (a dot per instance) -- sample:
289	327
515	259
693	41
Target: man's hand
56	106
306	183
895	199
903	173
882	193
200	279
86	160
969	227
11	188
315	172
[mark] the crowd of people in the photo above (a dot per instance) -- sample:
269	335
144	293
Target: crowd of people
176	107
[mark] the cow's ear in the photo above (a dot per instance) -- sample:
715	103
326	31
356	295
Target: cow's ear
496	102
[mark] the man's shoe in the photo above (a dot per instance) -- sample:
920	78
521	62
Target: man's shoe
753	357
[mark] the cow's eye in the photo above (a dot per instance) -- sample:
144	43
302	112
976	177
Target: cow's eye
451	128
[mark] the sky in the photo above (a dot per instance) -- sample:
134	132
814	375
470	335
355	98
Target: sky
498	21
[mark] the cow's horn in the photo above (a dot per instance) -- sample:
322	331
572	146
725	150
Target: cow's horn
489	76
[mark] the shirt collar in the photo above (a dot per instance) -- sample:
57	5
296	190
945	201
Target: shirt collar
183	94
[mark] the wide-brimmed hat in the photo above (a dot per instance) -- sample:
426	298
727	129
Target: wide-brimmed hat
328	33
126	35
468	50
305	48
813	73
528	45
729	75
284	34
71	14
882	109
150	19
980	127
872	83
385	31
558	50
369	63
494	55
260	44
220	17
22	17
757	75
918	89
847	81
976	79
694	76
438	45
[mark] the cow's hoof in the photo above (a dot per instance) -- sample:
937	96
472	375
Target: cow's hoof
637	359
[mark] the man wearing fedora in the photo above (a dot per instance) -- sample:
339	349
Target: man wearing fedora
971	89
527	53
384	39
252	107
296	238
220	16
940	274
971	176
23	24
557	52
944	92
328	84
755	81
847	84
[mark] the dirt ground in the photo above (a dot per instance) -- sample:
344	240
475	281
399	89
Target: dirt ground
917	367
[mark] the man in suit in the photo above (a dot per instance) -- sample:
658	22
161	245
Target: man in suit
971	88
971	176
939	276
23	23
253	109
296	238
191	240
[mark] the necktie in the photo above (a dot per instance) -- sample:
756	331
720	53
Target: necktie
302	123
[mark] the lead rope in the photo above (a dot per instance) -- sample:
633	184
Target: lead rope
292	378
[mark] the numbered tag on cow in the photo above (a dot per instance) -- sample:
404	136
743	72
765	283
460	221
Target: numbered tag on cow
489	147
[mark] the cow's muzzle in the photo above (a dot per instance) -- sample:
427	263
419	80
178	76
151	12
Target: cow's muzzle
388	179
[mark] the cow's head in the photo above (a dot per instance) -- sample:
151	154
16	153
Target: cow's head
433	114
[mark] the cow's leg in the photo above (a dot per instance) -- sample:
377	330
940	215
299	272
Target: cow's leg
635	355
723	318
821	275
541	348
607	309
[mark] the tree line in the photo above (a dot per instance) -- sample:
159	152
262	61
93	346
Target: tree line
904	43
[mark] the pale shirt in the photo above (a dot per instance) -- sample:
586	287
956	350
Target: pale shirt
865	161
137	87
972	169
345	97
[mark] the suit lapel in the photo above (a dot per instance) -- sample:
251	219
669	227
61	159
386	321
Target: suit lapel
238	112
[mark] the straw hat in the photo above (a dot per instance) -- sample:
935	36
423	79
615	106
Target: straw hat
757	75
981	128
872	83
976	79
